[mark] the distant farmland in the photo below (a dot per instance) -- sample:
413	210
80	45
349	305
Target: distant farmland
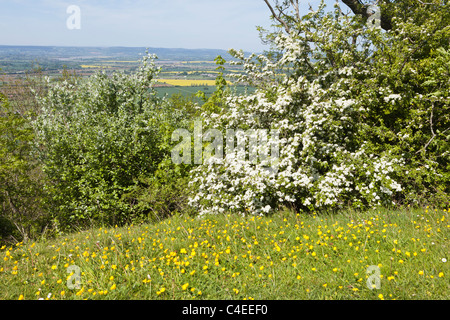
192	90
189	82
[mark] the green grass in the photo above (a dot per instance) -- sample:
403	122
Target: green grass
284	256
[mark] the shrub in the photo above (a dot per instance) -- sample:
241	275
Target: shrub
362	114
22	213
97	139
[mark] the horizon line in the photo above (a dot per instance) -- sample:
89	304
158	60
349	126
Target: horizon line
115	46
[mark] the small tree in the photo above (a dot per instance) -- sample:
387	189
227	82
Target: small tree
363	114
97	138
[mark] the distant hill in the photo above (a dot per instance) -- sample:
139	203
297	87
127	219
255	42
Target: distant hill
67	53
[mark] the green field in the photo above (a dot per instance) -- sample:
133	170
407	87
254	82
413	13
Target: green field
192	90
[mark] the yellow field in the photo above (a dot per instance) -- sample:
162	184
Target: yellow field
186	83
190	72
85	66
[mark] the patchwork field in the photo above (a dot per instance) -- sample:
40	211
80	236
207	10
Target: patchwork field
188	91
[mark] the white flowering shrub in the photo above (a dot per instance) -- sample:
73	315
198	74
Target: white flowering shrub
339	110
101	139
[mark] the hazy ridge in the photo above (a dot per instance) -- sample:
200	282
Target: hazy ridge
60	52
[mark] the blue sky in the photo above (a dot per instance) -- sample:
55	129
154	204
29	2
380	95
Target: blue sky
214	24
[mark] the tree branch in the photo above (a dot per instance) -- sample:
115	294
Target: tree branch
358	8
277	17
432	132
297	11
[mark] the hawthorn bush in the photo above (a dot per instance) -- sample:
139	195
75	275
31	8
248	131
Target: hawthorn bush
363	115
101	141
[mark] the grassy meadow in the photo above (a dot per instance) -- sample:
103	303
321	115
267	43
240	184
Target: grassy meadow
284	256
